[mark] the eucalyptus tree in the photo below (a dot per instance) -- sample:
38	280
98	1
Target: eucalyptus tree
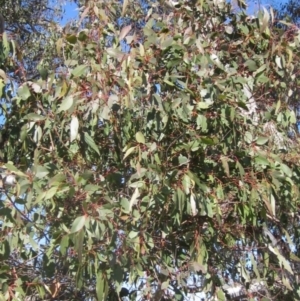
166	167
289	9
28	25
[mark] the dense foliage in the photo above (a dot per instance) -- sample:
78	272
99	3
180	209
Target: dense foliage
30	25
289	9
161	156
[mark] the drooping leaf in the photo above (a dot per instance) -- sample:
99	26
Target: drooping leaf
91	143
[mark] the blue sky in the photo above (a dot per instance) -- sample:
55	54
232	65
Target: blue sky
71	10
71	13
255	5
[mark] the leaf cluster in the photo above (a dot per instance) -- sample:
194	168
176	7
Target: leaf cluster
151	165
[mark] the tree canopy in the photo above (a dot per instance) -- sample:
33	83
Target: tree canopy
160	160
30	25
289	9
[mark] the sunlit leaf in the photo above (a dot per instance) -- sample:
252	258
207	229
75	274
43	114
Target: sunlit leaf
283	261
140	137
24	92
66	103
74	126
262	140
125	4
41	171
79	70
129	151
125	30
78	224
34	117
134	198
225	165
193	204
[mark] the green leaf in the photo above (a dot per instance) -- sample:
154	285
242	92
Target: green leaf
64	243
225	165
221	295
133	234
129	151
183	160
278	105
90	188
167	43
165	285
15	170
260	69
283	261
248	137
115	53
67	103
286	170
240	168
203	105
125	205
50	193
101	286
105	113
78	223
229	29
294	257
208	141
57	179
262	140
91	143
293	119
71	38
137	184
251	65
41	171
168	82
125	4
140	137
265	20
124	31
34	117
186	183
79	70
134	198
78	243
24	92
261	161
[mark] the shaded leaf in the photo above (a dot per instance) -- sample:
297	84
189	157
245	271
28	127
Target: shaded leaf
91	143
